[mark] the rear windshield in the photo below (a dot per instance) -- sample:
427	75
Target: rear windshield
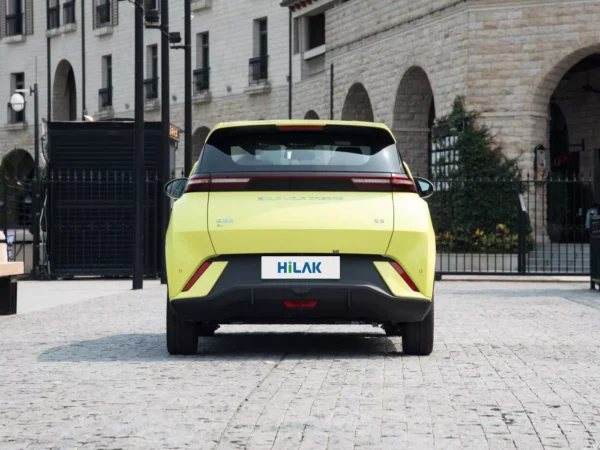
332	148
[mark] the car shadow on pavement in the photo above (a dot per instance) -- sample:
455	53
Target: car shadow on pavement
248	345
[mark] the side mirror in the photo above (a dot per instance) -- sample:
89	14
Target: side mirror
424	187
174	188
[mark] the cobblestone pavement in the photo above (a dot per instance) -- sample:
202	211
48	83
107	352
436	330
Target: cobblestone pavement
515	366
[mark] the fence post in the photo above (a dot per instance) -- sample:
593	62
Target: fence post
522	235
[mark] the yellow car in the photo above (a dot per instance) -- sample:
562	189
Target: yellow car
300	222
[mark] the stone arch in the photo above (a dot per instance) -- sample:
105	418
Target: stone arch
311	115
18	164
414	114
198	139
551	75
64	93
357	105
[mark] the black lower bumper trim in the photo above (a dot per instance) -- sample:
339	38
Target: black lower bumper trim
265	304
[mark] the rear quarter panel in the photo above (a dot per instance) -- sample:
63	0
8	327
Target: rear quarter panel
413	241
187	244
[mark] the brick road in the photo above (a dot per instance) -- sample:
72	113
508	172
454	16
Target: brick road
515	366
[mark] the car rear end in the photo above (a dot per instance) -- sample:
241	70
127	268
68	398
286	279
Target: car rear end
298	222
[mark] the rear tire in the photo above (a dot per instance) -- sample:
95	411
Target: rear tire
417	337
182	337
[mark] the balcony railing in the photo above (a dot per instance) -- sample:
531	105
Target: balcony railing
53	17
14	24
259	69
14	117
103	15
69	12
151	88
105	98
201	80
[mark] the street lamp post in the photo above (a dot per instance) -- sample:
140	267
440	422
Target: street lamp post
188	85
17	103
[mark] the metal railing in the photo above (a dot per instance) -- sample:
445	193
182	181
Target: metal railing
526	226
151	88
14	117
14	24
201	80
105	98
53	17
103	16
69	12
258	69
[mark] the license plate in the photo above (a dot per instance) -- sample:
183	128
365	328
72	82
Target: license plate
300	268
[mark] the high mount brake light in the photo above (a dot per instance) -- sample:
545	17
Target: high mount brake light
300	128
393	183
405	276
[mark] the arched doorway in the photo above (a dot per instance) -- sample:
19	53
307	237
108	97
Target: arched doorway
64	93
414	114
357	105
198	139
311	115
570	94
16	174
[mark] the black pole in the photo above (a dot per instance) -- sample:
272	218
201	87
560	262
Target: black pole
166	144
290	68
138	248
331	95
49	79
83	100
35	201
188	87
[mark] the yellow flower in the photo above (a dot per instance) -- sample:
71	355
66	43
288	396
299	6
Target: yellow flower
478	232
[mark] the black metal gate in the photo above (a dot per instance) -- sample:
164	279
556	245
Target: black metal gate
89	199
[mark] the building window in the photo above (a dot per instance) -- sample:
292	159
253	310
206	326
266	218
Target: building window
69	12
202	73
259	65
14	17
316	31
17	81
151	82
150	5
105	93
296	36
53	15
106	13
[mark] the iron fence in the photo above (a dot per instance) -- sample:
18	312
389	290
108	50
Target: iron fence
483	226
525	226
259	69
151	88
201	80
13	117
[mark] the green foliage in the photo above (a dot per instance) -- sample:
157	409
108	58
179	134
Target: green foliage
479	201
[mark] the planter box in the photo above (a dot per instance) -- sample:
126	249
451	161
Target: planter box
477	262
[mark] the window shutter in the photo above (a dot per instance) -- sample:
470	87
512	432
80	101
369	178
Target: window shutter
28	16
94	5
115	12
2	18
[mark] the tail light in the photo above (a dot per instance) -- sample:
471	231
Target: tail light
205	184
196	276
394	183
301	304
405	276
390	183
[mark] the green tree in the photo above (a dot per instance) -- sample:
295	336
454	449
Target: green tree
476	206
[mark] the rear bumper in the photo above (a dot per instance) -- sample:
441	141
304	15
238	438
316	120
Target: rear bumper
266	305
361	295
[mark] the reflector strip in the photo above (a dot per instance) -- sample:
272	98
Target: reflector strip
404	276
196	276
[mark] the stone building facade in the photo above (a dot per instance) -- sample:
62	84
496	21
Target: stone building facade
401	62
